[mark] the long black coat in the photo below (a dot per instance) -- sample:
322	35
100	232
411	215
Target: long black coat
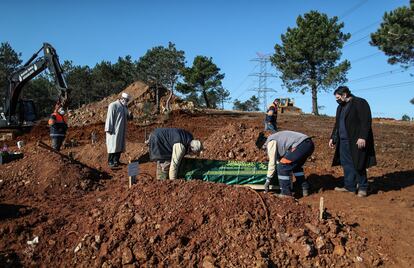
358	123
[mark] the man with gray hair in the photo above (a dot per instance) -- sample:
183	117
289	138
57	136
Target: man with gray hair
115	128
168	146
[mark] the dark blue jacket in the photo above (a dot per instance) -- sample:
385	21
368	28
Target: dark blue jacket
162	141
271	118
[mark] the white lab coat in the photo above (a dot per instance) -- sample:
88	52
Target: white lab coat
115	127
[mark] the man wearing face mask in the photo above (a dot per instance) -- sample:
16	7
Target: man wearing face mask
58	127
352	135
115	128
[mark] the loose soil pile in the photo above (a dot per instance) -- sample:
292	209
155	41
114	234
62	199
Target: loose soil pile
178	223
235	141
41	172
96	112
215	225
142	105
158	223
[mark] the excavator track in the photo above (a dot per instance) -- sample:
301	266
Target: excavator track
8	134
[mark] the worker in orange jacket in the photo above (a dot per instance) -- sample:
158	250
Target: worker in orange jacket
58	127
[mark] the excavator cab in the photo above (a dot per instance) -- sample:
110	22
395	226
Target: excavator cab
26	112
18	114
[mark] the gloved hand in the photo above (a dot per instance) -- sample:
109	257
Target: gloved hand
267	184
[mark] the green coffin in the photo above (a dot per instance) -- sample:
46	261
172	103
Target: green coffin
228	172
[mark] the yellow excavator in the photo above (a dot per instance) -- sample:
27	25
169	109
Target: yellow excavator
284	104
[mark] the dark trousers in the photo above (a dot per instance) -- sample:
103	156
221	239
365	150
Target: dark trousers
270	126
113	158
57	142
352	176
292	162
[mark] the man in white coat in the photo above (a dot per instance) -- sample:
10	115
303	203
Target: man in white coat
115	128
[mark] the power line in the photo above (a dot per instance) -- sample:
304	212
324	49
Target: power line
357	41
359	31
365	28
379	75
402	84
366	57
245	91
352	9
247	76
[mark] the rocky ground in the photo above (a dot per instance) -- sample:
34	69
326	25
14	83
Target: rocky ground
74	211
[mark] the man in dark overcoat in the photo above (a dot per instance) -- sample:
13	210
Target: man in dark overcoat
354	141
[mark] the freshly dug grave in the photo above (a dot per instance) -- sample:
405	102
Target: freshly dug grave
235	141
41	172
215	225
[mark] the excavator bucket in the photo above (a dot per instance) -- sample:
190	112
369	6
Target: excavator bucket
63	100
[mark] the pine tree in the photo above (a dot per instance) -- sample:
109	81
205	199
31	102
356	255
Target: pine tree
309	54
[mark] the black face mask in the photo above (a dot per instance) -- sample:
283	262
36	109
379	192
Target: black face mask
340	102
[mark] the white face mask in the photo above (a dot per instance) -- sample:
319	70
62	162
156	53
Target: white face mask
61	111
123	102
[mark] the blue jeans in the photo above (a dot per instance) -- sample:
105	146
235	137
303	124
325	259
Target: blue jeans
270	126
352	176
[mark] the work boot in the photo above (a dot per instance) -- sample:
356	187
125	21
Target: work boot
284	186
342	189
284	195
362	193
266	186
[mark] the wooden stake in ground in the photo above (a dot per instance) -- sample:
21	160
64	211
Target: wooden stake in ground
133	170
321	209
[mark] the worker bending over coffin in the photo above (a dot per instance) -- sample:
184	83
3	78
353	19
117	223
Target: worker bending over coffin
168	146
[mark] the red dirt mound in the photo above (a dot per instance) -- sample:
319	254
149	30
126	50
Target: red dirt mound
181	224
215	225
235	141
142	105
41	173
96	112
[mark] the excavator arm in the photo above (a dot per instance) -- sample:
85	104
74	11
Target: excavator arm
33	67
